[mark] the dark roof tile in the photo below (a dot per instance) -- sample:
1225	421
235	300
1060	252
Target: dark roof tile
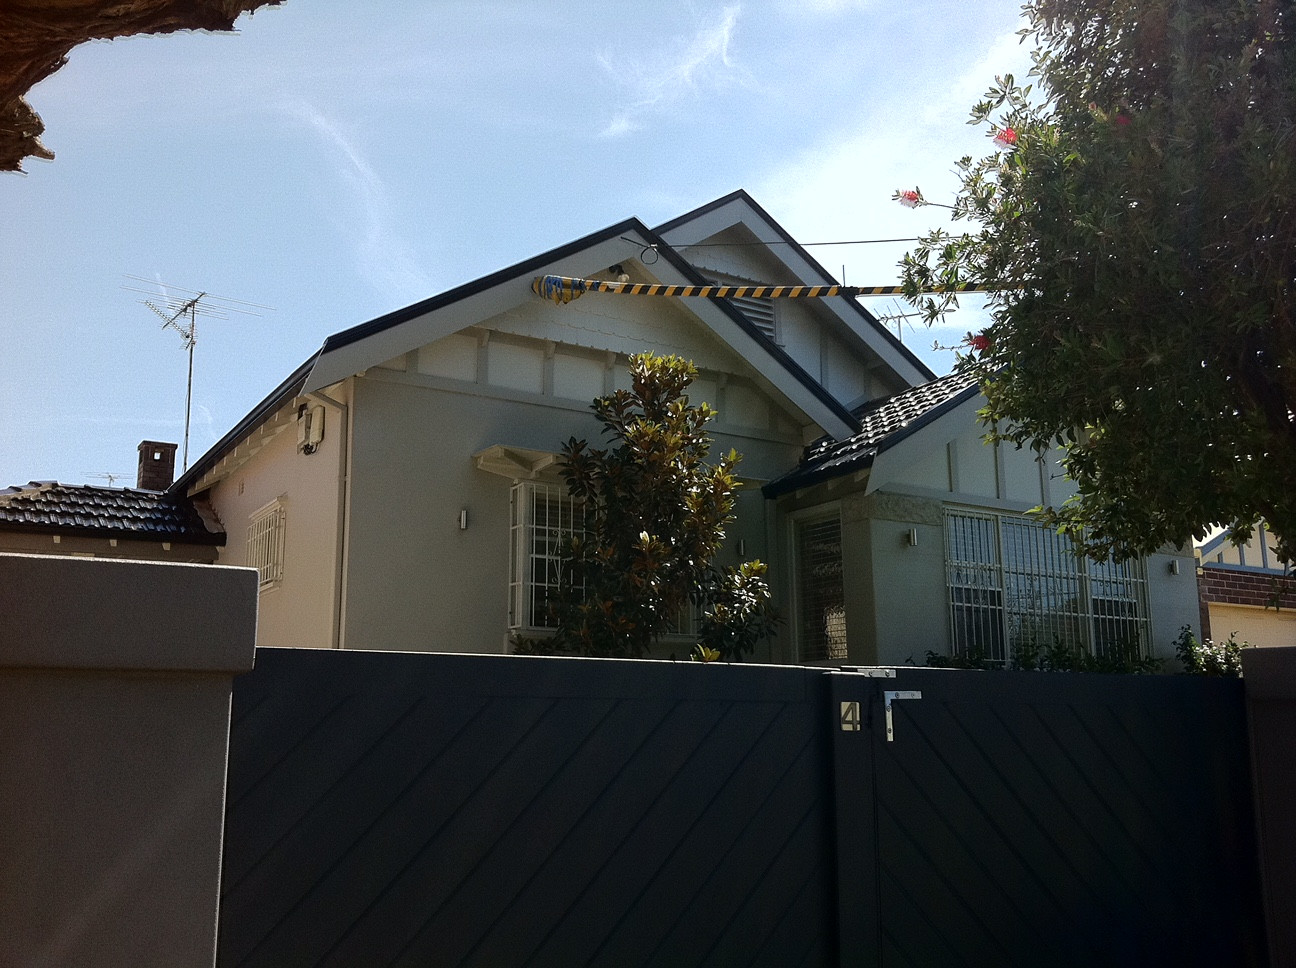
49	507
882	424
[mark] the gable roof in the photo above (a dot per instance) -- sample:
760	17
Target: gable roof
704	221
86	510
380	339
883	424
368	344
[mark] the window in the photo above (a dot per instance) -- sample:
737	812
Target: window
542	516
1013	582
265	543
821	596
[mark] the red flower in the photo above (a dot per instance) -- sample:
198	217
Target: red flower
1006	138
909	197
1122	119
980	342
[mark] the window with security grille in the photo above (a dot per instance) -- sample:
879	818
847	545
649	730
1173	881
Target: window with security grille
265	544
821	595
543	516
1014	583
762	312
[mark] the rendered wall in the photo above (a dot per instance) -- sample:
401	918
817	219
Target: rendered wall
115	682
301	611
1253	624
413	576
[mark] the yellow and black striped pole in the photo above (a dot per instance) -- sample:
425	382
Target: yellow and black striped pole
563	289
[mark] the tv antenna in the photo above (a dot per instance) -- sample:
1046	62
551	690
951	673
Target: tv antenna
179	309
110	477
897	315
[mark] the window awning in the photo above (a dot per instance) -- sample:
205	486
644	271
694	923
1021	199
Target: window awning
515	462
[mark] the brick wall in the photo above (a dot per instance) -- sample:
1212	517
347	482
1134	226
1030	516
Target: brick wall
1235	587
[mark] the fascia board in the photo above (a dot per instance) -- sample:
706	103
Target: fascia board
470	309
853	319
915	446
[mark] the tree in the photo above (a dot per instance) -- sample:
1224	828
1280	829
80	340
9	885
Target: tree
1138	226
655	515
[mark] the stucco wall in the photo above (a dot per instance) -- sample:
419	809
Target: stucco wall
415	580
1253	624
301	611
115	680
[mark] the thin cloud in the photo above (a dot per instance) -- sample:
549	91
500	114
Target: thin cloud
653	85
841	189
382	257
829	7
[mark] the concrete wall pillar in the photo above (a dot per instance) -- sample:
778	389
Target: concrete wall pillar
115	681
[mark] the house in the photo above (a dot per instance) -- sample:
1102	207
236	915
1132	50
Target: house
1246	590
399	490
145	522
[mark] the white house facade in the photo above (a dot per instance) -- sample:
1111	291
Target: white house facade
400	491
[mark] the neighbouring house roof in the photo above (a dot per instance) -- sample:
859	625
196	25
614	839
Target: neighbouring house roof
368	344
85	510
1221	543
883	424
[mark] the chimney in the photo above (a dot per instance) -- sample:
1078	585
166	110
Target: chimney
156	465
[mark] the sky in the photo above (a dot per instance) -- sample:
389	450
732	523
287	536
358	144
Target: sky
330	162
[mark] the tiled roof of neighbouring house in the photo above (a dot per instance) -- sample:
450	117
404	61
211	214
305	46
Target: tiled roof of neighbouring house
883	423
47	507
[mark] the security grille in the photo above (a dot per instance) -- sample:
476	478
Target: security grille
543	516
265	544
1014	583
822	597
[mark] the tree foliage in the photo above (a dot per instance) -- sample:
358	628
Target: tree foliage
1139	227
655	514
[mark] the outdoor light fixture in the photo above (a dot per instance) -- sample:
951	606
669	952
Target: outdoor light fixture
463	519
911	538
1174	566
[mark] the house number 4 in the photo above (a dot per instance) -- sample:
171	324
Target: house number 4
850	717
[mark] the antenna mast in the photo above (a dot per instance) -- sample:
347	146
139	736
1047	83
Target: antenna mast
188	303
189	333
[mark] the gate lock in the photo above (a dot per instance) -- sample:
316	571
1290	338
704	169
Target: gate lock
896	694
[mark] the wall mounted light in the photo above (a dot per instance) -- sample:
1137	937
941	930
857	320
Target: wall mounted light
1174	566
911	538
742	548
463	519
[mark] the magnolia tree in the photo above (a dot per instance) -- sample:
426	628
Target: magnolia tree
655	514
1137	227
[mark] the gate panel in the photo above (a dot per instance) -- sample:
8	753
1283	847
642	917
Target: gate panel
1028	819
410	809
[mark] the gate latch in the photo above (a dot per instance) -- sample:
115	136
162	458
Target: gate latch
896	694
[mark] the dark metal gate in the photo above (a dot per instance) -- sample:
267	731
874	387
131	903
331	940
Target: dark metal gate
413	809
1045	819
405	809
